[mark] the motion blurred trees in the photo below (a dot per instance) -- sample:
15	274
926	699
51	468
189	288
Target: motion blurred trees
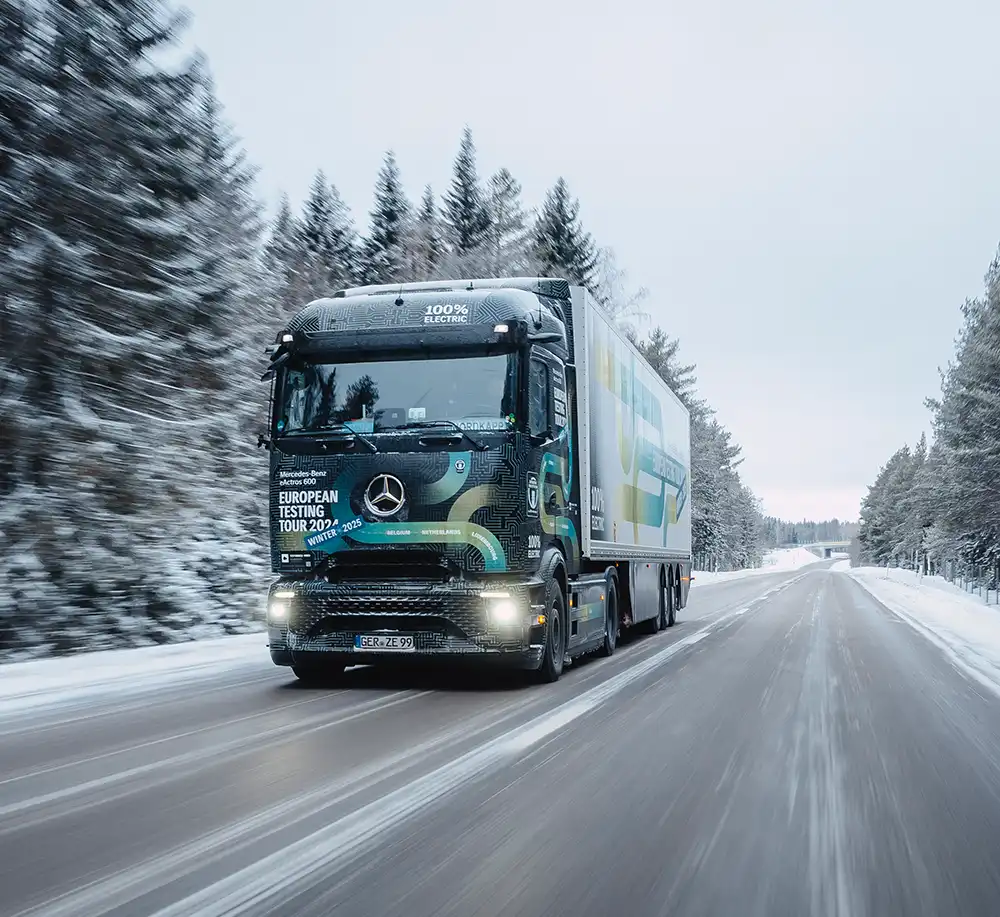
938	508
130	243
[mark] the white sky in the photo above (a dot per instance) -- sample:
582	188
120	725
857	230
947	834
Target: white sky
808	189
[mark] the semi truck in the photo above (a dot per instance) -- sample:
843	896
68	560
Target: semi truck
479	470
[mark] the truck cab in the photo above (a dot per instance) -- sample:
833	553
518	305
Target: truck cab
421	475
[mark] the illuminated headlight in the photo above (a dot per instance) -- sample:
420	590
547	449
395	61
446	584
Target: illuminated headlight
278	611
503	612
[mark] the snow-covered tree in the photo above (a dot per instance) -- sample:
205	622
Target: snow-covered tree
509	234
384	257
426	245
936	507
661	352
561	245
282	261
327	243
122	276
466	211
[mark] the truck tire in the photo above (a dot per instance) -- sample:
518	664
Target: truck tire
312	675
664	616
555	633
656	623
610	617
671	600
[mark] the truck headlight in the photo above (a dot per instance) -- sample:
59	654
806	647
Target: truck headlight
503	611
278	612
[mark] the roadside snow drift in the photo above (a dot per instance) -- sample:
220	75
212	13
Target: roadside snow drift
962	625
774	562
70	680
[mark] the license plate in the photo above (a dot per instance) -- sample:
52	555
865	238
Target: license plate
384	643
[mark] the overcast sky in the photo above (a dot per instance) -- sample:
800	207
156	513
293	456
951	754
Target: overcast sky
809	190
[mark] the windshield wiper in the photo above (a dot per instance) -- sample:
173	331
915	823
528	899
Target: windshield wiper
426	424
335	428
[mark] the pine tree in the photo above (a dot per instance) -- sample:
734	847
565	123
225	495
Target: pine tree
660	351
935	507
509	236
882	509
19	110
282	261
466	213
103	273
133	278
968	425
561	246
426	246
383	254
327	243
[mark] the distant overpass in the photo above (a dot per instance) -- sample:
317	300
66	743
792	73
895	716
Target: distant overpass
827	549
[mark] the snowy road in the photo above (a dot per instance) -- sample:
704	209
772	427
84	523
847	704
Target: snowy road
790	748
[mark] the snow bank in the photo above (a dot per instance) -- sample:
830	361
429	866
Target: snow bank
959	623
774	562
70	679
841	566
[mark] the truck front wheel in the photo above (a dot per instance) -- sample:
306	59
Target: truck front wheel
555	633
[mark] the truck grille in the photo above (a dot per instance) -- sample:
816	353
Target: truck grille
448	614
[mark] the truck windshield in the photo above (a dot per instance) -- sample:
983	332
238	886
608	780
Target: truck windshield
476	393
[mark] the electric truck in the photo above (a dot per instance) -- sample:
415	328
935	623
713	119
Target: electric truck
477	470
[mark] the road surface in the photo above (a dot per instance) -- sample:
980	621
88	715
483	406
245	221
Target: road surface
790	748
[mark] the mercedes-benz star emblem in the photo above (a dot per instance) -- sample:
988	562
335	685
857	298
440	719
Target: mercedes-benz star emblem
385	495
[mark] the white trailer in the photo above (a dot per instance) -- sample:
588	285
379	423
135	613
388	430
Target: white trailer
635	463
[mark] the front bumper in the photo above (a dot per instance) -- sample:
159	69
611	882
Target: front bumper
446	620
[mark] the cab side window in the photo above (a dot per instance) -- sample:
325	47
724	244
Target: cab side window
538	399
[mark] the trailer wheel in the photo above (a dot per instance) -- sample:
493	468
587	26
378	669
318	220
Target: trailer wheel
671	602
656	623
610	618
664	615
555	633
